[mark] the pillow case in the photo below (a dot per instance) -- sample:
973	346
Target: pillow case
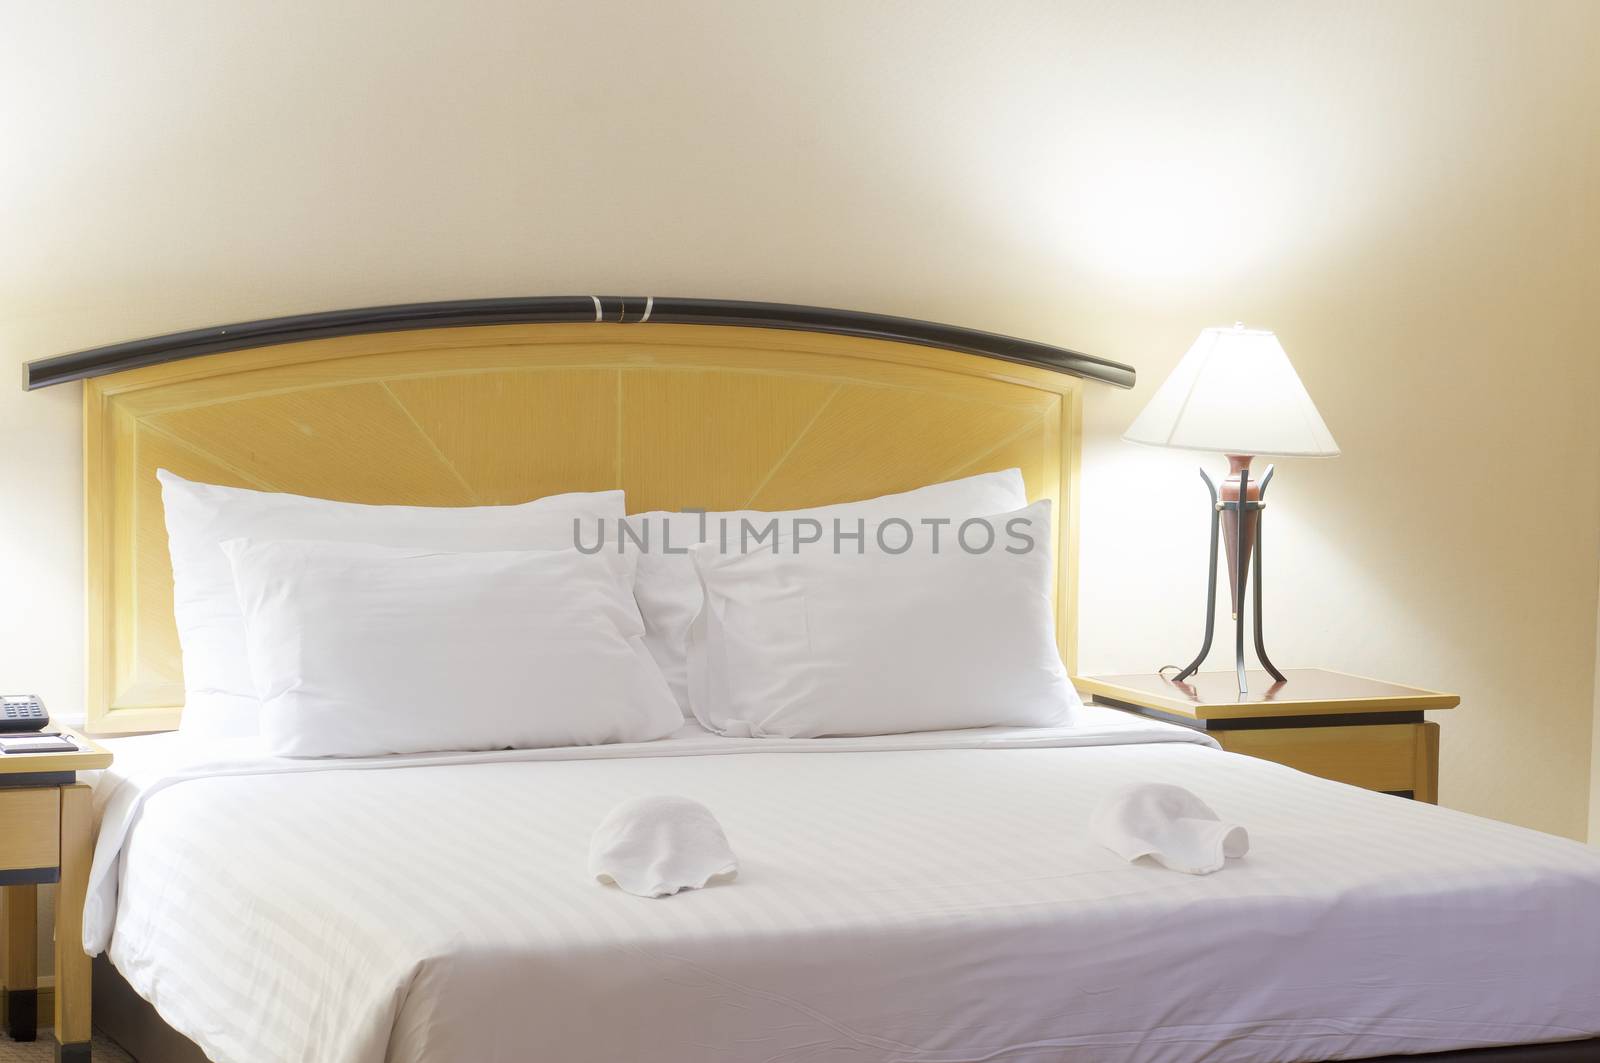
668	590
360	650
220	697
912	633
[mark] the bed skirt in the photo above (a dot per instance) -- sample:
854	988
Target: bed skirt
131	1021
125	1017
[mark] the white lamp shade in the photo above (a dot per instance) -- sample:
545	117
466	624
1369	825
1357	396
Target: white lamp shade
1235	392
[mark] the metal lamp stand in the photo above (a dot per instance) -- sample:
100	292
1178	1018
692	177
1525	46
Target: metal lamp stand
1241	574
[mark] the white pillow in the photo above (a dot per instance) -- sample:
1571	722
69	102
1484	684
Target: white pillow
669	591
909	634
220	698
360	650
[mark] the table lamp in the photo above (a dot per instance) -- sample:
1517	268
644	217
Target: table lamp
1235	393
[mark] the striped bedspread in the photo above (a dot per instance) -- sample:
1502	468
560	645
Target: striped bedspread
935	903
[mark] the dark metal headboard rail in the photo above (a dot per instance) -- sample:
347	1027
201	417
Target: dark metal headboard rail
627	309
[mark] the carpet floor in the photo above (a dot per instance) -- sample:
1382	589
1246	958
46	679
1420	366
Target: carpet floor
44	1050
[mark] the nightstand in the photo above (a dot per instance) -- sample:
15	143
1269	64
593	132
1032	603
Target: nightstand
47	835
1364	732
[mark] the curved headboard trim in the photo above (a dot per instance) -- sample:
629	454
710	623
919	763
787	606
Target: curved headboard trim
624	309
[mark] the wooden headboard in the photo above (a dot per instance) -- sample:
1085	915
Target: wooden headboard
678	415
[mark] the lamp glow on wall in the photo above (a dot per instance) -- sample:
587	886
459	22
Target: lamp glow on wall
1235	393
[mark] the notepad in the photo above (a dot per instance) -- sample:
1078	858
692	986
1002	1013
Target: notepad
37	743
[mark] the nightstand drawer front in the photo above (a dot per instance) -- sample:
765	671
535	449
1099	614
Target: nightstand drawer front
30	829
1377	757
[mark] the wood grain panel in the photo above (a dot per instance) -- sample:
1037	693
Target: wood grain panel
20	924
1305	692
681	416
1028	450
717	437
521	434
354	442
28	828
73	970
1425	771
883	440
1377	757
89	756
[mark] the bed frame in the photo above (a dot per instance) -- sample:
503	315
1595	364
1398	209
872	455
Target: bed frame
683	403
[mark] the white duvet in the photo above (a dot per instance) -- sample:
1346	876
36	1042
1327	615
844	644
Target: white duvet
939	902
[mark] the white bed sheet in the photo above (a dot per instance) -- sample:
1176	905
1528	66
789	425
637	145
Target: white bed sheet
940	904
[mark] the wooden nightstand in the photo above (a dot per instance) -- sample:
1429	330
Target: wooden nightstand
1360	731
47	835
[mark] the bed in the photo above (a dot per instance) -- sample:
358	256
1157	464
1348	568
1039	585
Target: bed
929	898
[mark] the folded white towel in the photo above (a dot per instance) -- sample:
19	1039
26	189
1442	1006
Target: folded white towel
658	845
1169	824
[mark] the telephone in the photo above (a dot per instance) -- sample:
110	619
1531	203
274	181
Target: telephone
21	713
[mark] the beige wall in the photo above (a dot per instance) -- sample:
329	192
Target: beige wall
1404	191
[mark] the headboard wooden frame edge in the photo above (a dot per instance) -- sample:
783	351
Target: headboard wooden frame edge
557	309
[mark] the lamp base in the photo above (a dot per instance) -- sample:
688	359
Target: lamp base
1234	523
1237	510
